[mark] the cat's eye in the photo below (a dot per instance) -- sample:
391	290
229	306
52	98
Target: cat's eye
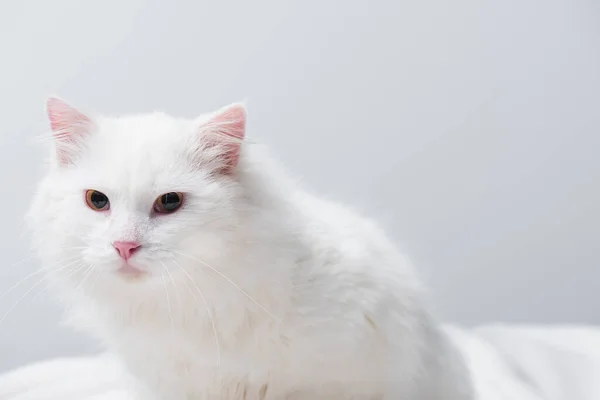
168	203
96	200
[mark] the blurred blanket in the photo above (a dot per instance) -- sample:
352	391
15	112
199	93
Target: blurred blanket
506	363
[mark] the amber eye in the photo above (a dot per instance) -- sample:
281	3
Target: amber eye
168	203
96	200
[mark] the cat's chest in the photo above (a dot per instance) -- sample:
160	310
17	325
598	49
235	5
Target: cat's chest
205	365
241	360
175	373
182	351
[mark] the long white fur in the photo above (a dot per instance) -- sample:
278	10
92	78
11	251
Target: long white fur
255	289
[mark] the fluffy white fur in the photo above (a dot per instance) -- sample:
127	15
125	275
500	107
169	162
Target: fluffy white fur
254	289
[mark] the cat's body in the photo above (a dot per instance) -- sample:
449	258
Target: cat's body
254	289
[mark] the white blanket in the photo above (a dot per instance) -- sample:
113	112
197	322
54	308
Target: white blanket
506	362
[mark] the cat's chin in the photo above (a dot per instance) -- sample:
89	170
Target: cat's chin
129	272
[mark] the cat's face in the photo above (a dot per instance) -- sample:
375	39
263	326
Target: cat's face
131	198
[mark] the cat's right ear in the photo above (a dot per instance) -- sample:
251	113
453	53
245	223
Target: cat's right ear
69	127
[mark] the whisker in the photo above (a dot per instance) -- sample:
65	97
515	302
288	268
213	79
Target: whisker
210	315
25	294
162	278
232	283
93	285
46	287
172	283
37	272
35	296
87	273
30	258
20	299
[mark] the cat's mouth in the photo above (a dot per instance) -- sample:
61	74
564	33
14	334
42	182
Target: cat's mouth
129	271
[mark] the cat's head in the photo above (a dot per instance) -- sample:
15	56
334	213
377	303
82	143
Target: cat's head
132	197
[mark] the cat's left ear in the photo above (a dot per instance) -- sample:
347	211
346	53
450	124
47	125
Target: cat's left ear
69	127
223	133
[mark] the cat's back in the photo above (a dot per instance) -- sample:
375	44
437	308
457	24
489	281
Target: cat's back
334	228
351	262
360	298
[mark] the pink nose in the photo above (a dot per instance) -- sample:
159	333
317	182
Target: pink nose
126	249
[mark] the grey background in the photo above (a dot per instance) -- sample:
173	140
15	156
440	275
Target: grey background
470	129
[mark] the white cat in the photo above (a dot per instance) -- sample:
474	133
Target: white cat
193	256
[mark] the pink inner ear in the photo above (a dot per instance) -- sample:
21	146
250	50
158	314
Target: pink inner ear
233	120
230	122
65	121
68	126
